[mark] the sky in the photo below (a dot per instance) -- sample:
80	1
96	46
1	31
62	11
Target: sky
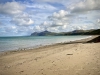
23	17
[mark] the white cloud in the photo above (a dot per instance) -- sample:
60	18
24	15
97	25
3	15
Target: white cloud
42	6
48	0
98	23
9	29
59	18
53	29
64	27
22	21
57	22
38	28
18	16
64	2
98	20
80	27
11	8
13	27
65	21
61	14
85	6
16	12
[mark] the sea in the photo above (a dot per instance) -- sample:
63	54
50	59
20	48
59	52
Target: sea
30	42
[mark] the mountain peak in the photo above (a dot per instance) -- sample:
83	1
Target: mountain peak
44	33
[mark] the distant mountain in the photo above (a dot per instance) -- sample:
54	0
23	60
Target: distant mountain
75	32
44	33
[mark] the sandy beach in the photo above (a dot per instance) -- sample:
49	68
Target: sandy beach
73	58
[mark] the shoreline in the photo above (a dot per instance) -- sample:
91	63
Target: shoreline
83	40
41	45
73	58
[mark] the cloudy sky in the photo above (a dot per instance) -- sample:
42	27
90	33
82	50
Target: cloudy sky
22	17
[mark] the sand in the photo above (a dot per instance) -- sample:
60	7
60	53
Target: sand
74	58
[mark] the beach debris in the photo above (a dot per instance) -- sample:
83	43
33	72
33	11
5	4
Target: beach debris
41	69
52	61
75	49
7	66
19	63
37	58
21	71
69	54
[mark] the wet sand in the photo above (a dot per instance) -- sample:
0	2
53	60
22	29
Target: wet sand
73	58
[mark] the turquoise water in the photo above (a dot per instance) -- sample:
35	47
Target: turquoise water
15	43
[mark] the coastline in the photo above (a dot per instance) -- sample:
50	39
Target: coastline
83	40
40	46
30	43
71	58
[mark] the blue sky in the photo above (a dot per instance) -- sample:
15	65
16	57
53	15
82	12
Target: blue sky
23	17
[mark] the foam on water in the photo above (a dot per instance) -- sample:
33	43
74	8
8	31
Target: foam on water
15	43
